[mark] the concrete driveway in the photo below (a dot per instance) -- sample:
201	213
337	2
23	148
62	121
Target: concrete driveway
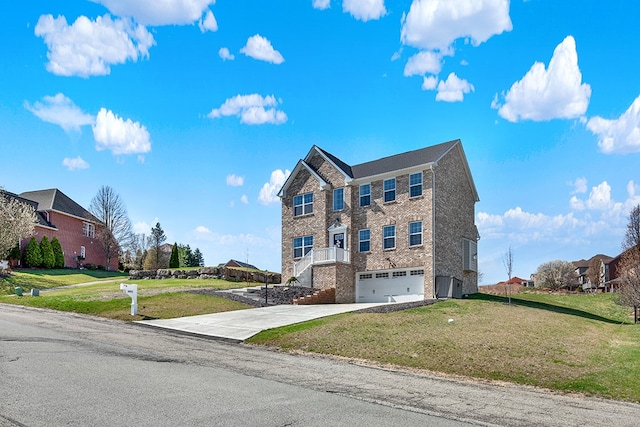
242	324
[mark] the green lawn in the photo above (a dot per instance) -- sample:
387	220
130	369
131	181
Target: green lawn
160	299
573	343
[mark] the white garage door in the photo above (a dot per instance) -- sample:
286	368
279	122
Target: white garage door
397	285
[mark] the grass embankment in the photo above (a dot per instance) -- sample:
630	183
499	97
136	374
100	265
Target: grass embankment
574	343
157	299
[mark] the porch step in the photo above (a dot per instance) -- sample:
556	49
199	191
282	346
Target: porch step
324	296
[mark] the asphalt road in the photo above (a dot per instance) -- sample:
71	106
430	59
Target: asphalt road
64	369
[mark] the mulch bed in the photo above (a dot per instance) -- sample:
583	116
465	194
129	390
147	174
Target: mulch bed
276	295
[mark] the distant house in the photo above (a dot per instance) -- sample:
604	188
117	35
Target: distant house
238	264
515	281
582	272
399	228
75	227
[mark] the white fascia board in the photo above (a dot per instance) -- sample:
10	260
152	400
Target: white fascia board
315	148
324	185
72	216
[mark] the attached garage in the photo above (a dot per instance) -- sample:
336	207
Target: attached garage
396	285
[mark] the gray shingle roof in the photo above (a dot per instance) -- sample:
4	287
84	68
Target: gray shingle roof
54	199
401	161
42	220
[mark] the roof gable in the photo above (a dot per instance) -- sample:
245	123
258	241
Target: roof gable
40	217
302	165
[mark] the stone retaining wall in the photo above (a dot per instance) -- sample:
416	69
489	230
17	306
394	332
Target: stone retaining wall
206	273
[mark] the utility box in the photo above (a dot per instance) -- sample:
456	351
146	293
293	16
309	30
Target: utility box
35	292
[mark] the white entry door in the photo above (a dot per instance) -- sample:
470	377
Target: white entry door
397	285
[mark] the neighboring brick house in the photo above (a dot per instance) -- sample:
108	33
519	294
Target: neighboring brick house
400	228
582	271
74	226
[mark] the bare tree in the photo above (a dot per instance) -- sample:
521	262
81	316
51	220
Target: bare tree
507	260
17	221
594	272
629	289
556	275
155	257
115	231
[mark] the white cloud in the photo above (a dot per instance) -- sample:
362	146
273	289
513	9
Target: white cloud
269	191
429	82
141	227
600	197
621	135
260	48
321	4
452	89
364	10
251	109
208	23
60	111
580	186
422	63
576	204
225	54
154	12
120	136
235	180
89	48
75	164
201	229
436	24
546	94
244	199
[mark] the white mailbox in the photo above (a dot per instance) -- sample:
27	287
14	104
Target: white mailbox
132	291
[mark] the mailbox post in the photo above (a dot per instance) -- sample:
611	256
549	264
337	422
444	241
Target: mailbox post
132	291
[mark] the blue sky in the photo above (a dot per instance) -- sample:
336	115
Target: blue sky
194	111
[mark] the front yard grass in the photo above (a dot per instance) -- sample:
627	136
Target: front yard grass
573	343
157	299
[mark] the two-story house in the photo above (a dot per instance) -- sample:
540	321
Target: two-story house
400	228
75	227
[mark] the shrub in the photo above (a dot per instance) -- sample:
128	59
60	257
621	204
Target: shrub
100	267
89	266
33	254
14	253
48	258
57	253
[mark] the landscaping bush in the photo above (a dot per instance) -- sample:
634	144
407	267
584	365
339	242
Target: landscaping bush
33	254
57	253
48	258
89	266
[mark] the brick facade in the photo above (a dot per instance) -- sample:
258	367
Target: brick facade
446	209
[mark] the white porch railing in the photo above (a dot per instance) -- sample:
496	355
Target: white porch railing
320	256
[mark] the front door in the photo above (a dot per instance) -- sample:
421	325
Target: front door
338	240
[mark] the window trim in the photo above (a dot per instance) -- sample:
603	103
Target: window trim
306	207
361	240
304	248
389	191
339	191
368	195
385	238
412	234
88	229
415	185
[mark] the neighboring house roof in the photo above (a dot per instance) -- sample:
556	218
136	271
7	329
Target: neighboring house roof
411	159
55	200
584	263
42	219
235	263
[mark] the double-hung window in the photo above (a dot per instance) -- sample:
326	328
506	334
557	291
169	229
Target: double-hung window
338	199
365	195
303	204
389	190
415	184
302	246
364	240
389	237
415	233
88	230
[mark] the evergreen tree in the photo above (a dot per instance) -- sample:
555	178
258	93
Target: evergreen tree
174	261
186	259
48	258
198	259
156	239
57	253
33	254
